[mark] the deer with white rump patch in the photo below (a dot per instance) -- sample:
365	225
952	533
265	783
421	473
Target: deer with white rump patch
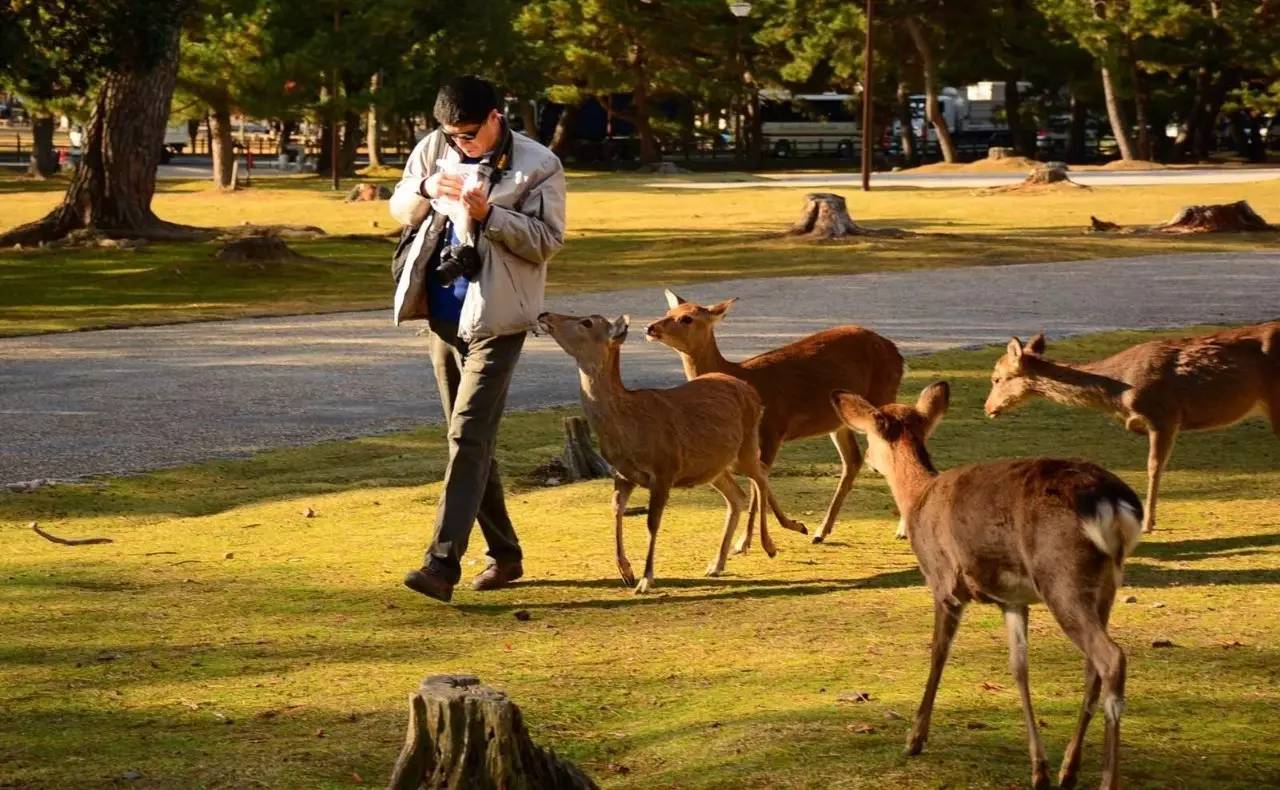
1011	533
1158	388
680	437
794	382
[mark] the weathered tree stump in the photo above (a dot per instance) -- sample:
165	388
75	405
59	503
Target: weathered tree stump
368	192
1001	152
1048	173
1238	217
826	216
281	231
256	248
580	459
466	735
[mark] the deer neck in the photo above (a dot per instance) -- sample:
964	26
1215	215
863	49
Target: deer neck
602	390
706	359
1076	386
913	472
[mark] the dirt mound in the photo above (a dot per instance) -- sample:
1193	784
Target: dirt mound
1132	164
1011	164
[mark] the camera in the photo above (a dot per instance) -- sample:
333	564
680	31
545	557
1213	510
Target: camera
458	260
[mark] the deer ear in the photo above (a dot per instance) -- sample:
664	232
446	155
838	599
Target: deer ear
673	300
856	412
933	403
618	329
1036	346
1014	348
718	311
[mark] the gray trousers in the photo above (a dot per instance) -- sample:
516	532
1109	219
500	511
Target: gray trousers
473	378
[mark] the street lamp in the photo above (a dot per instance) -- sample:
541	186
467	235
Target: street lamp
740	9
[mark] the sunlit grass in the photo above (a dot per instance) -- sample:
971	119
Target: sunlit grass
225	639
621	232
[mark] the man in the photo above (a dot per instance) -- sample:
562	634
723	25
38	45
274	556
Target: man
478	321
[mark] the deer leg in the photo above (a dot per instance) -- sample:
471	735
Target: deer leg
658	493
946	621
1086	626
1015	621
735	500
622	489
761	491
1092	687
850	463
1161	447
768	452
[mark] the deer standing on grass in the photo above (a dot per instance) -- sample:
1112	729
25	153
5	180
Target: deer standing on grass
680	437
1158	388
795	382
1011	533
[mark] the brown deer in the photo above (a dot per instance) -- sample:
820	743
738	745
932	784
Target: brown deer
794	382
1011	533
1158	388
680	437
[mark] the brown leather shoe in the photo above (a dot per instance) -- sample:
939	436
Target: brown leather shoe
430	583
497	576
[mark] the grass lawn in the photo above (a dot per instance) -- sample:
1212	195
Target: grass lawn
622	232
226	640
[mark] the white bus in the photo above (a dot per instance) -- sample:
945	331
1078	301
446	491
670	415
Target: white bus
809	124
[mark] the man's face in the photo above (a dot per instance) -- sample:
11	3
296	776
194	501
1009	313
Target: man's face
475	139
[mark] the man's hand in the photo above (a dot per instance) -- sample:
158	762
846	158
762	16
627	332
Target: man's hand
476	200
443	185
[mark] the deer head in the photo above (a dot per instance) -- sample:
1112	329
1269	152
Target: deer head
687	327
590	340
1010	379
894	426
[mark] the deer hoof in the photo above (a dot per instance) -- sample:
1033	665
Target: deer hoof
628	578
1040	777
1067	780
915	745
819	538
741	548
798	526
644	586
715	569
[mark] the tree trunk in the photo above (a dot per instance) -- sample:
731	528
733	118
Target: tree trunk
1023	143
324	159
44	160
561	139
930	69
581	461
221	145
529	117
371	141
286	136
1115	114
1205	138
1076	131
350	143
193	132
462	734
906	134
1141	113
112	189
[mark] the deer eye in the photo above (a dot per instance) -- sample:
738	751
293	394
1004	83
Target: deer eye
586	322
686	319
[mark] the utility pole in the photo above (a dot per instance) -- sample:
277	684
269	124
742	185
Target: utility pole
334	149
866	105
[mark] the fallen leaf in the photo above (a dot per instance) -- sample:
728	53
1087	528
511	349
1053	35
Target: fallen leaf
1131	599
522	615
1162	643
893	715
989	686
856	696
978	725
865	729
617	768
309	513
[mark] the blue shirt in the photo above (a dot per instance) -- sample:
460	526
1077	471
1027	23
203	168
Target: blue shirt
444	302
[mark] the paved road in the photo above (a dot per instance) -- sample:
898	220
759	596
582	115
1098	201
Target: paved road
977	180
133	399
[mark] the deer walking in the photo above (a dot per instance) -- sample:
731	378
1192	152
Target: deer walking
1011	533
680	437
1158	388
794	383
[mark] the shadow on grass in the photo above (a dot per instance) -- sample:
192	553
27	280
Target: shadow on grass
1207	548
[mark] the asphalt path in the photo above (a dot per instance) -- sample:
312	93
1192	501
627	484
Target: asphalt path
135	399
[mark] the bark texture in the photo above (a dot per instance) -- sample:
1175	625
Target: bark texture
463	734
221	144
1238	217
826	216
581	461
930	68
44	160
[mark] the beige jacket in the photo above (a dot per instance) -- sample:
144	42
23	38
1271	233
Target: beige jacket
524	230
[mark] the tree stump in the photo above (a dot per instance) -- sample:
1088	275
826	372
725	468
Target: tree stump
1001	152
1048	173
1238	217
466	735
368	192
826	216
256	248
580	459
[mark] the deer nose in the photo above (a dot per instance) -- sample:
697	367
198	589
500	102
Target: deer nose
652	330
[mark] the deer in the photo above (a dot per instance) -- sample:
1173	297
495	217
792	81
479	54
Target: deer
1011	533
1158	388
696	433
794	382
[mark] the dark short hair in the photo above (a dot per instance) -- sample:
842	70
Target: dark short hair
465	99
